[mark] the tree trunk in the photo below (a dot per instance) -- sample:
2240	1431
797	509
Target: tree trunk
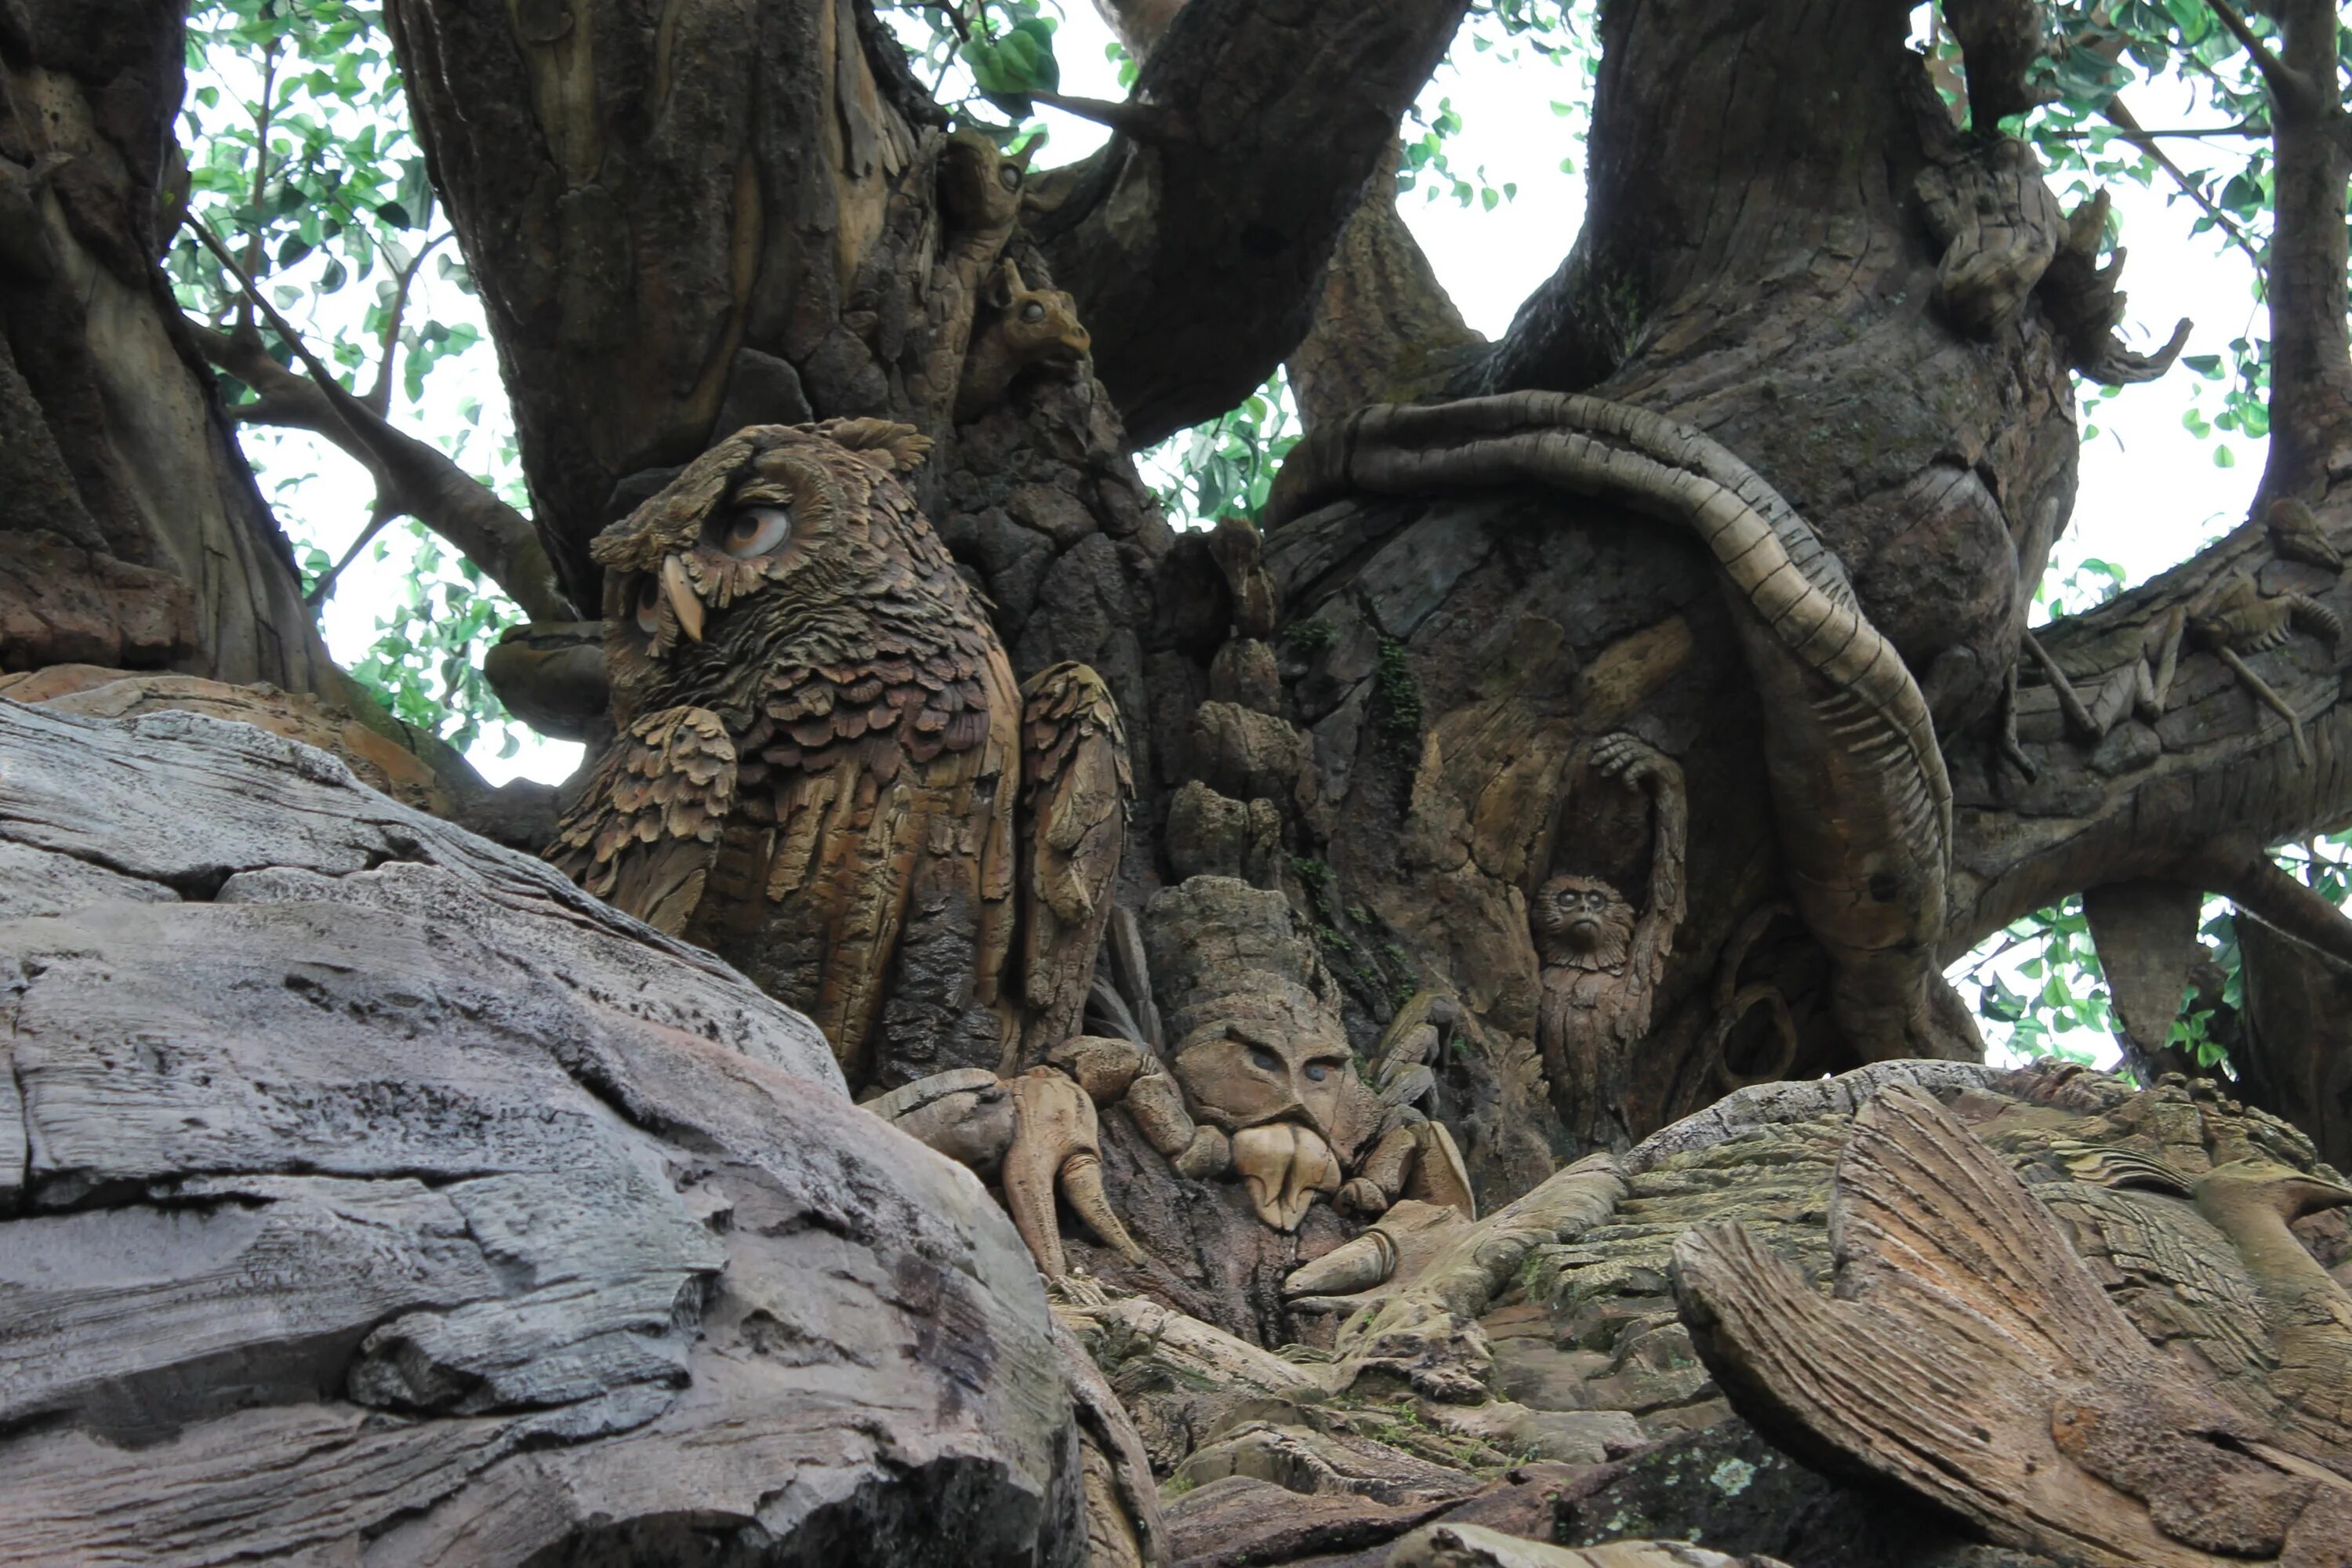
131	531
1407	703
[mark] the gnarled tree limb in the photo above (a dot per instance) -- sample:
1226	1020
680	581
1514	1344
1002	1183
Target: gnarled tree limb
412	477
1290	110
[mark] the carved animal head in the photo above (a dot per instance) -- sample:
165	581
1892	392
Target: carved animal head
1264	1061
780	544
1583	922
1034	326
980	186
1258	1046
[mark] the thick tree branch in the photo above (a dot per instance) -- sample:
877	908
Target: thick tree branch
412	477
1197	265
2185	772
2311	355
2000	40
1385	331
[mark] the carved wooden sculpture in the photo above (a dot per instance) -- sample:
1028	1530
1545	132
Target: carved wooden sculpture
1969	1355
1601	961
2238	618
819	755
1036	1134
1028	329
1862	803
1259	1087
2000	226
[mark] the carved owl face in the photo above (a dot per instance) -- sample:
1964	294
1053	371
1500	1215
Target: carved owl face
779	534
1582	920
1266	1059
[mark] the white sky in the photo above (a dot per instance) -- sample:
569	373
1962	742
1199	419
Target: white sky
2151	492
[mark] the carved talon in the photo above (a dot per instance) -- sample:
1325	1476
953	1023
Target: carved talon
1363	1196
1057	1144
1037	1131
1625	756
1210	1153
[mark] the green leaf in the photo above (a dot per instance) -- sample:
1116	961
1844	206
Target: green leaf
396	215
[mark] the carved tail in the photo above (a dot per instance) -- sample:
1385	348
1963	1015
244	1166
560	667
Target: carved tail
1862	803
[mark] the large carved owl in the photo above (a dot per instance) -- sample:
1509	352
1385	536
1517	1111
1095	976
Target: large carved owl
818	771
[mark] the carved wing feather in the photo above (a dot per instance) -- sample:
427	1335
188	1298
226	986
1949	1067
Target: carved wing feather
644	832
1076	785
1969	1354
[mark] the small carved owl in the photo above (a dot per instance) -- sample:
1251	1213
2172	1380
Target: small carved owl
817	769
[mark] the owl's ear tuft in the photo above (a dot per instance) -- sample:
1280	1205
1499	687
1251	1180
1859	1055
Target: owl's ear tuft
904	444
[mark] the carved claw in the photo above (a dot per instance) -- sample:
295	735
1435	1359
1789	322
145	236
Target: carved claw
1210	1153
1056	1144
1626	756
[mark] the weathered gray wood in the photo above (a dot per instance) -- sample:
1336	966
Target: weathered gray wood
376	1196
240	799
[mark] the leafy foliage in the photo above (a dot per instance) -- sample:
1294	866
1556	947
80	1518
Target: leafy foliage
1226	465
2041	977
999	53
300	159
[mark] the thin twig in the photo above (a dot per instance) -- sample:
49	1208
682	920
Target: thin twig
260	171
2122	118
2283	80
378	400
2248	127
335	389
377	518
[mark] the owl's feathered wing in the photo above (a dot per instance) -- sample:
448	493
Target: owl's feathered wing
1075	785
644	832
873	856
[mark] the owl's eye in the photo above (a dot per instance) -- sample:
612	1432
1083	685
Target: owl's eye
1319	1071
647	604
1009	175
1264	1060
755	531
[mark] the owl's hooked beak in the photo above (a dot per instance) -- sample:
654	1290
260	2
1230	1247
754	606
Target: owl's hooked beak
680	594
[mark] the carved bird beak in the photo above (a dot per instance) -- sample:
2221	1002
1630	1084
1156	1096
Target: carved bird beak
1284	1165
679	591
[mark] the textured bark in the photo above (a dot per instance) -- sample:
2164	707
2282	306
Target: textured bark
1384	329
2293	1053
1282	114
442	1214
131	530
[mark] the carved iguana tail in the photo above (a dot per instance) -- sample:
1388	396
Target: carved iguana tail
1863	806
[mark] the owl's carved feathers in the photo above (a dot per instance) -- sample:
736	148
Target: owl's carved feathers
644	831
1075	789
785	589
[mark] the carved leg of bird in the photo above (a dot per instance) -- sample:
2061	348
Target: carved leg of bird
2010	751
2155	684
2070	702
2270	699
1056	1144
